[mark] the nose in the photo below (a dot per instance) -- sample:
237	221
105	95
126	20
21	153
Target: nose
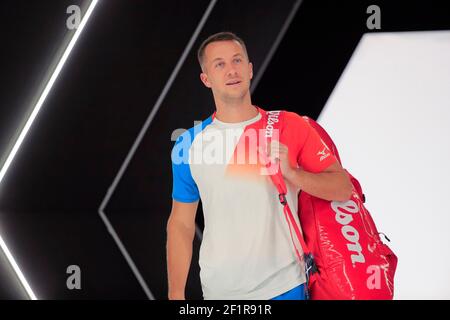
231	73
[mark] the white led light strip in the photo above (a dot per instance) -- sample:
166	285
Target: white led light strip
27	126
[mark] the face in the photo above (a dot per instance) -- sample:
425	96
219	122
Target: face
226	70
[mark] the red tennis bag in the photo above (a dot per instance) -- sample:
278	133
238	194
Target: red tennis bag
343	254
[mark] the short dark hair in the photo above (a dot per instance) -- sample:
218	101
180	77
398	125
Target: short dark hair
220	36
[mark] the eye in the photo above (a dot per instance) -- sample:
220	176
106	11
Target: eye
220	64
237	60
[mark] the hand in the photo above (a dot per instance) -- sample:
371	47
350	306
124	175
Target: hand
279	152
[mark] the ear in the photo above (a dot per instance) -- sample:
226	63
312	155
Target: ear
251	69
204	78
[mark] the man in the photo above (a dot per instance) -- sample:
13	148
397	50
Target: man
246	251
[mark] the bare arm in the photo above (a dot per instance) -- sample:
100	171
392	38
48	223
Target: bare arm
332	184
180	236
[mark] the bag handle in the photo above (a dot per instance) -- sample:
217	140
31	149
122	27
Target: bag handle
273	120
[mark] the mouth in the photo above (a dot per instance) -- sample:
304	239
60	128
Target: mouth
233	83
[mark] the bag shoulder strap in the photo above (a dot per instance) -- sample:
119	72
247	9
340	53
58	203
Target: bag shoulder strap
273	123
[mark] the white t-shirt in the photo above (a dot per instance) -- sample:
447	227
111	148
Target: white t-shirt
247	250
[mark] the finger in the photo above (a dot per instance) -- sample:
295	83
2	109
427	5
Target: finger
274	156
275	143
283	147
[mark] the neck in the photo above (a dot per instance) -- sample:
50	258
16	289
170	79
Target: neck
235	111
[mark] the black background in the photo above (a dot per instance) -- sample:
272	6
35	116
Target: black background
50	196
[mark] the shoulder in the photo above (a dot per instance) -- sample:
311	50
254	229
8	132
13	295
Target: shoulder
294	121
295	130
183	142
187	136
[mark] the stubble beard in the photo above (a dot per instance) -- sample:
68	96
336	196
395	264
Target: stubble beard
235	98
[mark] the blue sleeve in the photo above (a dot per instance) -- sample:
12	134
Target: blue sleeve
184	188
